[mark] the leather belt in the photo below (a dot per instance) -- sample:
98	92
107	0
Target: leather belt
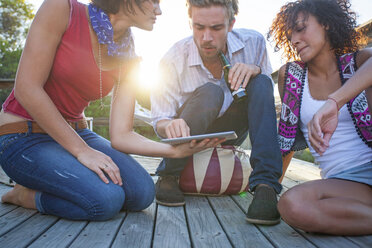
23	127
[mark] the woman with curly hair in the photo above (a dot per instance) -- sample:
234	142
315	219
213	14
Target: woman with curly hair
321	36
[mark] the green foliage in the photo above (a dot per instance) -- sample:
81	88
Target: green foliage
9	59
94	110
15	16
304	155
147	131
4	93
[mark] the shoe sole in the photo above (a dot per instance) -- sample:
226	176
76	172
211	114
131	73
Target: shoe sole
263	222
171	204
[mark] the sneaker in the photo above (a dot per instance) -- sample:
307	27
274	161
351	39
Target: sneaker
263	209
168	193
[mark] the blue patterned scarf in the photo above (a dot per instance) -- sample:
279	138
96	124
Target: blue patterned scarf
102	26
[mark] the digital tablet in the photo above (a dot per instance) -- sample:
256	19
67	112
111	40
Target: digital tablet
228	135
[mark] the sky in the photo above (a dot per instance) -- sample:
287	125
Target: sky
173	25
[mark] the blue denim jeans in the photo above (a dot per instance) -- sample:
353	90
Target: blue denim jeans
255	115
64	186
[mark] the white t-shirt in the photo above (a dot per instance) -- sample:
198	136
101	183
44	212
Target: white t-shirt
346	149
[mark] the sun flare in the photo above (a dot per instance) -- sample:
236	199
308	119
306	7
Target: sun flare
148	75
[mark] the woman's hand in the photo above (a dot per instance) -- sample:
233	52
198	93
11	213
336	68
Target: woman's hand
322	126
100	163
187	149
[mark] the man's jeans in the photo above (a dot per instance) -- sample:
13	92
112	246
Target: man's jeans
64	186
255	115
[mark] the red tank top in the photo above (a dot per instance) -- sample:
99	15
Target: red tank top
74	78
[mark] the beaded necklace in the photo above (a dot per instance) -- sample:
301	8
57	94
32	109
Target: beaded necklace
102	105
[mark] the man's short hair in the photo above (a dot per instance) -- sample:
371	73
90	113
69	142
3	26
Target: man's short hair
230	5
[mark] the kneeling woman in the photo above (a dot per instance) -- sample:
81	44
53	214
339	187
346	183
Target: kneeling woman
74	54
322	33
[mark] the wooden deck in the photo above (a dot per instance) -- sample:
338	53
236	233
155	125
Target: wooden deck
203	222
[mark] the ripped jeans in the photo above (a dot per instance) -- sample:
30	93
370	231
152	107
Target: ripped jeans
64	186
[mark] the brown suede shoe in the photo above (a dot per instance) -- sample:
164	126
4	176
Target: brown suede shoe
168	192
263	209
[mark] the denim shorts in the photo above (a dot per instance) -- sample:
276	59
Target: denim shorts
360	174
66	188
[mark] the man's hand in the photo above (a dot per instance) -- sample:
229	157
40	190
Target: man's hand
241	73
176	128
322	126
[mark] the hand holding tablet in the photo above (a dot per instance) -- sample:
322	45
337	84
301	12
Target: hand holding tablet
229	135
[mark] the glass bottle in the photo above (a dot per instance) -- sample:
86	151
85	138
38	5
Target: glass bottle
239	94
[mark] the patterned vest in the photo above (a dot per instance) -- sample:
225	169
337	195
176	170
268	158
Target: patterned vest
290	135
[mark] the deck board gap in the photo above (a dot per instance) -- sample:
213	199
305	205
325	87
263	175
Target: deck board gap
118	229
154	225
188	227
219	221
37	236
19	224
78	234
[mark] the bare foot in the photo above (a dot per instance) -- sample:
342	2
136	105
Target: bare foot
20	196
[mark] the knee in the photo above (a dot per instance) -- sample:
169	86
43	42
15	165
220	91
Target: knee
107	203
260	84
292	208
211	92
142	197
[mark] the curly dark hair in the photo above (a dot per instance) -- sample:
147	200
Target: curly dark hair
113	6
334	14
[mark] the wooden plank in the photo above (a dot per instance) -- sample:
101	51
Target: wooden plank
362	241
137	226
61	234
326	241
4	179
289	183
171	228
232	219
24	234
149	163
307	170
205	230
4	188
281	235
14	218
6	85
4	207
99	233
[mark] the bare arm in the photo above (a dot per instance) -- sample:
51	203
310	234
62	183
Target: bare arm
361	80
36	62
325	120
124	139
